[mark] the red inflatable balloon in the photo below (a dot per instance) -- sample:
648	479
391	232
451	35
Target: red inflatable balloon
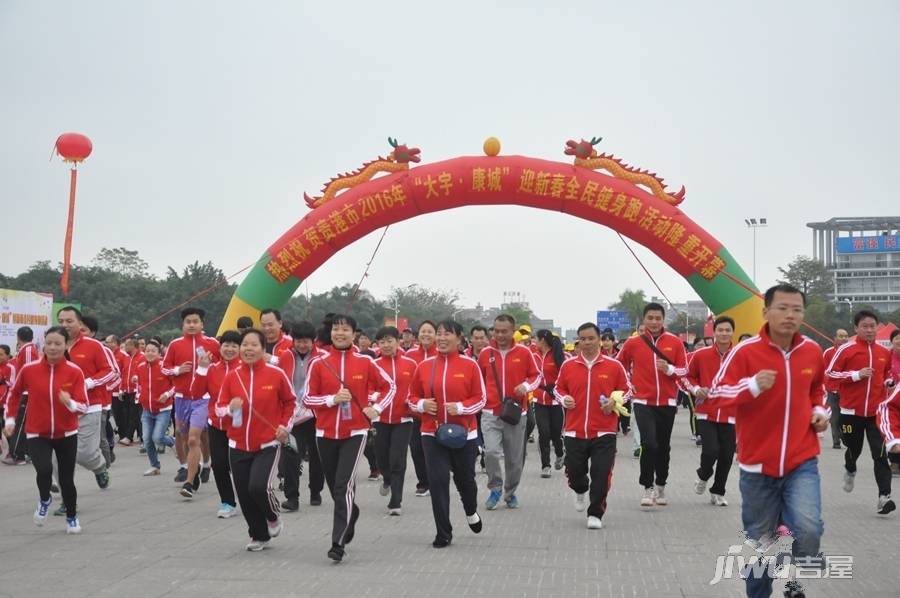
73	147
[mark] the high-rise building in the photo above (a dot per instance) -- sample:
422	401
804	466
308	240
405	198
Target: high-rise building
863	255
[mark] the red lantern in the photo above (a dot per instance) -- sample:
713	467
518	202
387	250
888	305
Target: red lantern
74	148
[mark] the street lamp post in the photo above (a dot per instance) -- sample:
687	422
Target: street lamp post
755	223
849	304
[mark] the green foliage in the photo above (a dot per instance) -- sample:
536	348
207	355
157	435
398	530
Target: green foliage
632	302
810	276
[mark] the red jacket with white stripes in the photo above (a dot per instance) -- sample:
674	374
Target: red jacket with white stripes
361	376
420	353
703	366
774	431
514	366
121	384
182	350
268	402
152	385
43	382
7	379
448	378
652	387
888	419
549	374
113	385
131	366
401	369
831	384
587	383
209	381
26	354
861	396
98	366
284	343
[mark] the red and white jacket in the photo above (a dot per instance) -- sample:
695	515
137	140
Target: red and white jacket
401	370
42	382
587	383
99	368
652	387
361	376
549	373
121	384
112	386
182	350
703	365
514	366
888	419
209	381
284	343
457	379
26	354
7	380
153	384
268	402
861	396
774	431
831	384
420	353
131	366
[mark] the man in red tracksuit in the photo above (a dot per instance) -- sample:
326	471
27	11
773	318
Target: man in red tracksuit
863	368
888	417
833	388
655	360
337	390
775	380
584	387
26	352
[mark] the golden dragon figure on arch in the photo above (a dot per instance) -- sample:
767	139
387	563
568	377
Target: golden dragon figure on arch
586	157
397	161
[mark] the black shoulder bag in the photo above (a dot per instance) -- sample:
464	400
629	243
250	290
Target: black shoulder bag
448	434
510	409
656	350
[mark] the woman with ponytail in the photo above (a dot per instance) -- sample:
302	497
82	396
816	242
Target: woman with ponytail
547	412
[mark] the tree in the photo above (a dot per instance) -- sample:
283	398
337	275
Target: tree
365	309
121	261
417	303
810	276
632	302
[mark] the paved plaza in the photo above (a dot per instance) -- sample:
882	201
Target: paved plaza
142	539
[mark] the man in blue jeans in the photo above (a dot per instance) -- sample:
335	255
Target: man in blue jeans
775	381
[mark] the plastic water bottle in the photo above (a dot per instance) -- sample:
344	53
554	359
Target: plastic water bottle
237	417
603	400
346	411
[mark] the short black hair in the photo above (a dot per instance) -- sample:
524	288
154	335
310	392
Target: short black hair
607	336
72	309
409	331
57	330
344	320
387	331
783	288
895	334
363	333
245	322
744	337
590	325
505	318
6	349
862	315
451	326
724	320
653	306
91	323
269	310
429	322
257	332
303	330
476	328
153	343
25	334
230	336
192	311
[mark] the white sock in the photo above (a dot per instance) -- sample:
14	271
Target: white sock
207	464
182	465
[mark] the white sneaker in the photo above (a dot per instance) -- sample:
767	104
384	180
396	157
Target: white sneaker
73	526
718	500
849	480
275	528
152	471
40	513
647	497
580	501
660	496
384	490
700	486
395	512
885	505
545	472
594	523
257	545
225	511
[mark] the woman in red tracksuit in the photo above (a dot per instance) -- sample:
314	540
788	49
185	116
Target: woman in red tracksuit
260	399
155	393
547	413
425	349
449	389
56	396
338	386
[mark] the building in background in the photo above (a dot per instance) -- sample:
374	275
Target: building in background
863	255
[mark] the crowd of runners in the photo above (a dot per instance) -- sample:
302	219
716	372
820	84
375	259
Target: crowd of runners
256	407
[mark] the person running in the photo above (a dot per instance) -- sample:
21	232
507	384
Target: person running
337	389
655	360
863	368
888	419
99	370
304	429
89	328
191	412
155	392
715	420
208	381
7	380
57	393
448	391
26	352
547	411
259	398
584	388
833	387
276	340
510	373
775	381
423	351
394	425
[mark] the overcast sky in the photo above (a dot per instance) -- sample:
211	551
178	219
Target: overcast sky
210	120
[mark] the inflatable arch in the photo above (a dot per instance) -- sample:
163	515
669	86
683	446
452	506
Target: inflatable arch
631	201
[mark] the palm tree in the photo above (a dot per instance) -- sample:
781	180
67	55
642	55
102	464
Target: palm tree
632	302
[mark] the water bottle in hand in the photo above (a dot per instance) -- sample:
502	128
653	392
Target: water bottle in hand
237	417
346	411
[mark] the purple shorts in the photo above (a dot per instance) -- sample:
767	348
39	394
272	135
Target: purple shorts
191	413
